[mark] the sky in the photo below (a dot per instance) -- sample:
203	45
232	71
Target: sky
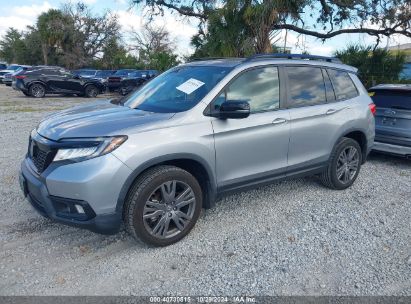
20	13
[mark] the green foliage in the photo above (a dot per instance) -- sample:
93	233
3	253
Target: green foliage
116	57
74	37
162	61
227	35
12	47
374	66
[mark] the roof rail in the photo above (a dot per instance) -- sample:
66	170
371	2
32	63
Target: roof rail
211	58
293	56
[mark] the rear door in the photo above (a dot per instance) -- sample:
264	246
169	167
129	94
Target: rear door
393	116
317	114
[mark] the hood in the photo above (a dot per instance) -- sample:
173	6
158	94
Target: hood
100	118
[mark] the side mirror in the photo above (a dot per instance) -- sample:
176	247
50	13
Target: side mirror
235	109
76	77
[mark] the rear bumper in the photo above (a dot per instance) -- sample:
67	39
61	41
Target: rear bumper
390	148
113	85
19	86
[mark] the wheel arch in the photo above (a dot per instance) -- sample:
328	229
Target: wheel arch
194	164
360	137
37	82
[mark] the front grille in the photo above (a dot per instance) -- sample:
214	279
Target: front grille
40	156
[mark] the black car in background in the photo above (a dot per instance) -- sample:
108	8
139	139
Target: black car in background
135	80
8	78
102	75
114	81
393	118
39	81
85	73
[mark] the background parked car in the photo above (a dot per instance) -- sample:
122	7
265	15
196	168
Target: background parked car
8	78
3	65
134	80
393	118
40	81
102	75
85	73
10	69
114	81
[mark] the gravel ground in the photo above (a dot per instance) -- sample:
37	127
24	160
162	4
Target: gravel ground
290	238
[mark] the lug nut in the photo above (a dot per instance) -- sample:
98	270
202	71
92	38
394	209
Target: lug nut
170	214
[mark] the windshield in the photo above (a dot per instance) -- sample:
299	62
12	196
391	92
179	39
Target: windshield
104	73
86	73
177	90
137	74
123	72
13	67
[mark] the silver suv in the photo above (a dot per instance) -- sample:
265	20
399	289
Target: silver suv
196	132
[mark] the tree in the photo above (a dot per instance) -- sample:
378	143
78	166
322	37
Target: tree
327	18
116	56
12	47
374	65
155	47
54	29
90	33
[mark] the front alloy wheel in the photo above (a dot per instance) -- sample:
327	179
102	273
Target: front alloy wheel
169	209
163	205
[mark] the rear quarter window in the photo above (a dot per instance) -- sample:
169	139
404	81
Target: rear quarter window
344	87
391	99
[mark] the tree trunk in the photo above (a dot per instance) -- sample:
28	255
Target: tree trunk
44	50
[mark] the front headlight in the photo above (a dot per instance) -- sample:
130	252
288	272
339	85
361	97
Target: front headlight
86	148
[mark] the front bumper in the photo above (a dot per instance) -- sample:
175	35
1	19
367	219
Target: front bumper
59	195
392	149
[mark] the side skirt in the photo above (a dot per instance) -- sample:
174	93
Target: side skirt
269	178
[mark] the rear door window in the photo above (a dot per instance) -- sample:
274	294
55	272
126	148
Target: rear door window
344	87
400	100
306	86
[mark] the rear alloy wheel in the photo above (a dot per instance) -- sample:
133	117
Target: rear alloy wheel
37	90
344	165
91	91
163	205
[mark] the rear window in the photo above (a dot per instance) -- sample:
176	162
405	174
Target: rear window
392	99
306	86
344	87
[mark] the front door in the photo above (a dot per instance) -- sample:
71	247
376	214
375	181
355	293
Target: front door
253	149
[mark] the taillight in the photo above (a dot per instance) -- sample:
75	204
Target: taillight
20	77
373	108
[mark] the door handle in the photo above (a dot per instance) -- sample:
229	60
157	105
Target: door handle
330	111
278	121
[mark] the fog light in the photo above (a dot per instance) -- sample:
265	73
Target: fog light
79	209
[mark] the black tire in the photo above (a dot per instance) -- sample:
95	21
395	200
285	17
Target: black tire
37	90
141	194
330	178
91	91
8	84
